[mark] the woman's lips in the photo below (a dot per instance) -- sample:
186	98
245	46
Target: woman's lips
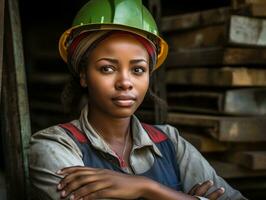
124	101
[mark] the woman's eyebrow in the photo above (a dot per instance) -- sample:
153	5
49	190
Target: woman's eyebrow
115	61
138	60
112	60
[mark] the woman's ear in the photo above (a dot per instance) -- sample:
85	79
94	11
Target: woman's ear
83	80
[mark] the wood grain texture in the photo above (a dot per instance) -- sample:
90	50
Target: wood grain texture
224	128
204	144
215	57
255	160
230	170
217	76
196	19
247	31
243	101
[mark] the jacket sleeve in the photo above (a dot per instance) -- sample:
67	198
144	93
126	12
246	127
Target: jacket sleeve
50	150
194	168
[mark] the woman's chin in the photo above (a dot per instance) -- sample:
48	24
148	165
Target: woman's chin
123	113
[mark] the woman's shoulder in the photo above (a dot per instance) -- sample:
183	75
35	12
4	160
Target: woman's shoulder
54	131
53	137
171	131
52	149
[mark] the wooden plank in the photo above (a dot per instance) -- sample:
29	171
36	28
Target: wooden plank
194	20
210	36
204	144
231	129
217	76
245	101
257	10
216	56
229	170
195	101
255	160
183	57
251	101
240	30
244	56
227	129
247	31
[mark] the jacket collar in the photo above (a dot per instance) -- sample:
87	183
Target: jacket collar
141	138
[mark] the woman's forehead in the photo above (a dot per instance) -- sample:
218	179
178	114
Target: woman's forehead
122	43
119	38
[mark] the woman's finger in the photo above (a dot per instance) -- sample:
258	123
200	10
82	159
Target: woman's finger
88	190
203	188
193	189
77	180
216	194
73	177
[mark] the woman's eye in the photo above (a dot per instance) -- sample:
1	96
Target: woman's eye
139	70
107	69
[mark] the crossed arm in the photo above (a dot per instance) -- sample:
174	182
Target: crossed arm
91	183
51	150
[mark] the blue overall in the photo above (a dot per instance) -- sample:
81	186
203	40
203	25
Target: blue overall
164	169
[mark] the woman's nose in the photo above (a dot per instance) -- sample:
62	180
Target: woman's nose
123	82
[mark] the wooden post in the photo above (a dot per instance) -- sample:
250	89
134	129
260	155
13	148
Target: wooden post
14	108
159	76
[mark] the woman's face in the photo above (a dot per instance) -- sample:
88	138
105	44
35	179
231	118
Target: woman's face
117	76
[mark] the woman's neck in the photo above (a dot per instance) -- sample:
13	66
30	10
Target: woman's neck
110	128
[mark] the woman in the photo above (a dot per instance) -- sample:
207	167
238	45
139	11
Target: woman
108	153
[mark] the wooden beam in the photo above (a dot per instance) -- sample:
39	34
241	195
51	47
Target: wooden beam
230	129
239	30
204	144
196	101
210	36
216	56
217	76
255	160
182	57
258	10
224	129
195	20
247	31
229	170
245	101
251	101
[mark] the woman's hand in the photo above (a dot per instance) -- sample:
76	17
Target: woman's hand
93	183
202	189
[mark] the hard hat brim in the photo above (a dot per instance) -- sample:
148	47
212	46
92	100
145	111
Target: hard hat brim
163	46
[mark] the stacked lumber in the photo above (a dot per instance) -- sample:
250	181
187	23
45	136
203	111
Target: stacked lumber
216	85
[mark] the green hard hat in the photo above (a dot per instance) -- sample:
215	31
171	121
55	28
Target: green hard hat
125	15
